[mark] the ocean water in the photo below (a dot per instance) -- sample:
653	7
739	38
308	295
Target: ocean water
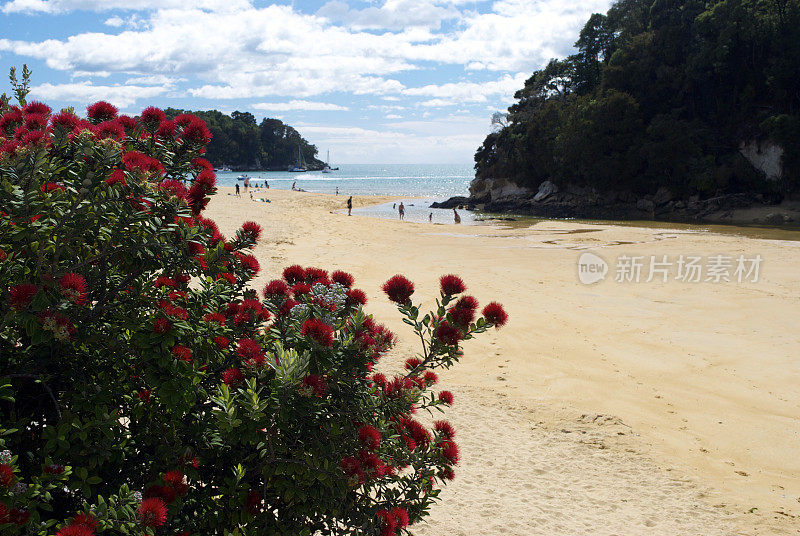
413	180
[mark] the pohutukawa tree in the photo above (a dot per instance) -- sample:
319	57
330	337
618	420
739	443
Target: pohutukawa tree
145	388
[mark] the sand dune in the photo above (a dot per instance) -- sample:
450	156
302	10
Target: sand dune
616	408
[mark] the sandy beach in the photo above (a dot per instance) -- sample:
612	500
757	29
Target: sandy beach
614	408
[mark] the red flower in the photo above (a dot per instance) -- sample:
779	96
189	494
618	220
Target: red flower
50	187
400	516
227	276
412	363
254	502
161	325
343	278
151	117
251	230
446	397
38	108
182	353
202	163
276	288
87	520
287	307
399	289
450	451
134	160
35	122
294	274
73	286
174	188
250	263
177	481
164	281
6	475
466	302
127	122
452	284
431	378
205	180
316	384
250	351
215	317
36	137
388	523
300	289
356	297
495	315
75	530
101	111
317	330
152	512
232	377
312	274
54	469
444	429
196	131
370	437
20	296
166	129
144	395
109	130
418	432
462	317
448	334
116	177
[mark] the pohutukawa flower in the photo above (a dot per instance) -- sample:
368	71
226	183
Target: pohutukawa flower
356	297
399	289
36	137
164	281
144	395
51	187
20	296
202	163
73	286
462	317
444	429
313	274
7	477
38	108
182	353
54	469
343	278
450	451
251	352
318	331
466	302
400	516
251	230
206	180
35	122
254	503
294	274
196	131
250	263
152	512
175	188
222	342
166	129
162	325
287	307
452	284
412	363
127	122
316	384
134	160
177	481
446	397
232	377
117	177
75	530
388	523
101	111
430	378
276	287
370	437
300	289
448	334
87	520
495	314
109	130
151	117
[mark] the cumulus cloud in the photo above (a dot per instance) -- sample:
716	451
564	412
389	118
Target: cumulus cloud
299	105
82	93
62	6
392	15
469	92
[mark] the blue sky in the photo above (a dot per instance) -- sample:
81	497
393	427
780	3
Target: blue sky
383	81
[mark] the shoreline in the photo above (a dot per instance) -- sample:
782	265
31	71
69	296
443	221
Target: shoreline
682	398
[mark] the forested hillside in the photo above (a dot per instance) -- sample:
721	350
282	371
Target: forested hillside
661	93
241	143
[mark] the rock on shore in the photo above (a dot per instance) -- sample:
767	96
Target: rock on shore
552	201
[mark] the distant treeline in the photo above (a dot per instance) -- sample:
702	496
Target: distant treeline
660	93
241	143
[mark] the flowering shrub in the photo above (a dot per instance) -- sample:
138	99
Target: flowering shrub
146	389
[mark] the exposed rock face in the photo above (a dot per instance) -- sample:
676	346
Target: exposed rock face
765	156
571	201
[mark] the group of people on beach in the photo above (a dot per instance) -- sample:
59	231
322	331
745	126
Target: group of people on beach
401	211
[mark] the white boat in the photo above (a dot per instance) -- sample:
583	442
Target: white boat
242	178
301	166
225	169
327	168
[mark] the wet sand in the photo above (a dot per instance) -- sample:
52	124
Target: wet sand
614	408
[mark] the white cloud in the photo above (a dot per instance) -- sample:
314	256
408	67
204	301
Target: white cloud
302	105
460	92
84	93
61	6
115	21
392	15
394	116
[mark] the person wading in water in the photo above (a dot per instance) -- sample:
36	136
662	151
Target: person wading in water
349	205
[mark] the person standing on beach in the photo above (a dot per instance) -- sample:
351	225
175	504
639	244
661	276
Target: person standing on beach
349	205
402	211
337	190
237	190
266	185
430	217
293	185
456	217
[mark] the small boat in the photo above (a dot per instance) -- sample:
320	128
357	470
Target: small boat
242	178
327	168
225	169
301	166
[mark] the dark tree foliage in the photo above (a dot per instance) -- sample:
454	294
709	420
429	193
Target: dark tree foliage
660	93
241	143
